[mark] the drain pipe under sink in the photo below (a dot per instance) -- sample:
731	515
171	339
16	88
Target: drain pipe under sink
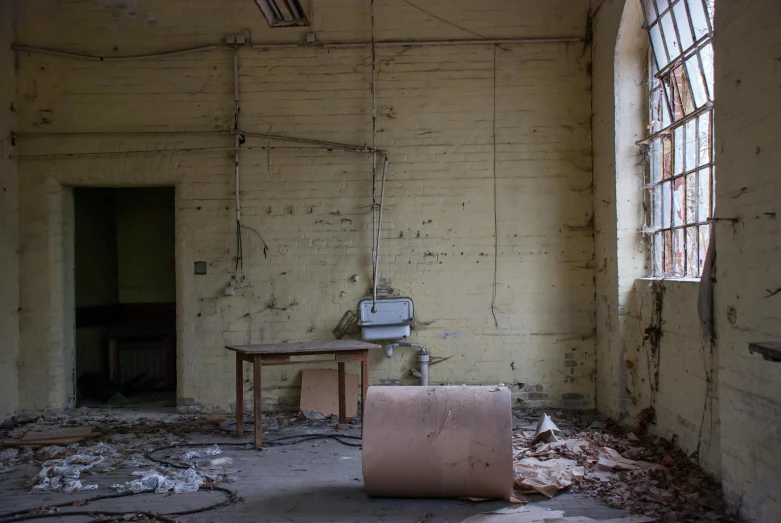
423	358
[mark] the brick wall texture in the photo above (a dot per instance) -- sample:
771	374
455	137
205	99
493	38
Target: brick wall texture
736	430
482	139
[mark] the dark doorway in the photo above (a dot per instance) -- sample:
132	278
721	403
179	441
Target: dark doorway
125	296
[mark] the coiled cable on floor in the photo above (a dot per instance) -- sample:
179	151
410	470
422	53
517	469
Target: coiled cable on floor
29	514
232	496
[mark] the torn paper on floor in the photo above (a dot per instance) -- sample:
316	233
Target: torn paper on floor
165	480
533	514
546	477
581	519
62	475
547	431
526	514
610	460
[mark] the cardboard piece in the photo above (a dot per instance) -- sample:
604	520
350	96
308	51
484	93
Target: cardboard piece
62	436
320	392
438	442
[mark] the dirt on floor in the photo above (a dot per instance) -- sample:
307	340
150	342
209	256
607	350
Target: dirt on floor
623	468
580	452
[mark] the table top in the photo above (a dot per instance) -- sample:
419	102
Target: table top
303	346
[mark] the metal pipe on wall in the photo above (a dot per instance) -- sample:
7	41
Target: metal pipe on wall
270	46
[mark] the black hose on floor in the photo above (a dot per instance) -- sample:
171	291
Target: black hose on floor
27	514
276	442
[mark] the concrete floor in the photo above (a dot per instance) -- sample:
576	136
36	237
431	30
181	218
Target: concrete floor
315	481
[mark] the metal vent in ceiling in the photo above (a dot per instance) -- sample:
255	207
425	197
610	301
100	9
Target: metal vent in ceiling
283	13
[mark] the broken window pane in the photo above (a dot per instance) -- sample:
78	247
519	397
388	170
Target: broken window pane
678	201
670	38
678	156
655	160
692	253
658	46
682	83
706	53
680	174
691	198
690	145
667	266
679	248
704	138
712	190
703	244
667	157
696	81
666	201
654	115
658	252
703	195
698	19
682	23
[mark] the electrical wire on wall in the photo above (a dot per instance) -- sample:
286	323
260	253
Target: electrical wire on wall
375	231
496	217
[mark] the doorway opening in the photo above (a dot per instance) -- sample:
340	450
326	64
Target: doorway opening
125	294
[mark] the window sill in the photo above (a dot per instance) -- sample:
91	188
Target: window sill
671	280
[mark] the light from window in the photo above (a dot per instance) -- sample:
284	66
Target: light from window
680	170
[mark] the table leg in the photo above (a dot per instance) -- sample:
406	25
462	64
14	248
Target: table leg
364	381
113	359
239	396
342	395
258	403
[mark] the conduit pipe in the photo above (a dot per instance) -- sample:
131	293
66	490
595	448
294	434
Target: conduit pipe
98	58
424	43
273	46
375	231
423	357
376	250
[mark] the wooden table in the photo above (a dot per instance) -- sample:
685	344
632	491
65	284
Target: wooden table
280	354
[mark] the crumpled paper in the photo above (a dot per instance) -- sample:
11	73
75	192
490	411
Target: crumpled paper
546	477
610	460
547	431
62	475
162	481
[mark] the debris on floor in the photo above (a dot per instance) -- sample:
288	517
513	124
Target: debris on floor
58	436
546	477
541	515
547	431
162	481
646	474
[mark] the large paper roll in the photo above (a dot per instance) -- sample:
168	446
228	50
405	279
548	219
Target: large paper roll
443	442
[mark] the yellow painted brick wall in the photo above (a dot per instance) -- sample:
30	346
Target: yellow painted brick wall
9	225
436	109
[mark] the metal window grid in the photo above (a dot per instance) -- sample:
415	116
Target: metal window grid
678	192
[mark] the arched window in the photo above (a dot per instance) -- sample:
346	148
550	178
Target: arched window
680	174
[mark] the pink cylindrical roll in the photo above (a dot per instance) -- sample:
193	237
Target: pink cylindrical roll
445	442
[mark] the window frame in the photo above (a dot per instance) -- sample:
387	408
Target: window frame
680	169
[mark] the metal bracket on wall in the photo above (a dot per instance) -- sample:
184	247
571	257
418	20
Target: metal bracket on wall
770	350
